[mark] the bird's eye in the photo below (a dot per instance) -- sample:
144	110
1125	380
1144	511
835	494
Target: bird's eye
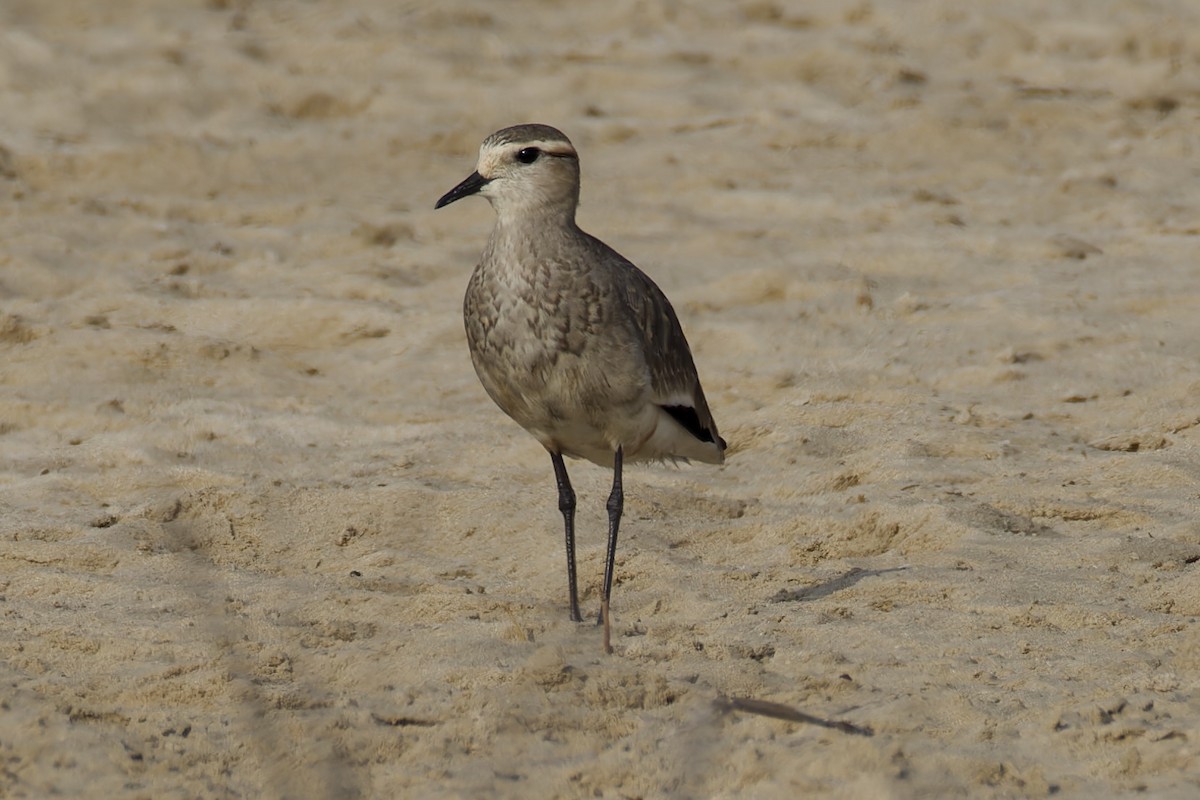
528	155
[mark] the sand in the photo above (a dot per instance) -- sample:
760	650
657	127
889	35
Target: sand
263	535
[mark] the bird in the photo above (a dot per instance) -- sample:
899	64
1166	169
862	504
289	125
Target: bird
570	339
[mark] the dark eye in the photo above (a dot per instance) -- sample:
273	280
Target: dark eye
528	155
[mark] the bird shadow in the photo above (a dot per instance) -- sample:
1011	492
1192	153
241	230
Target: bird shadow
831	586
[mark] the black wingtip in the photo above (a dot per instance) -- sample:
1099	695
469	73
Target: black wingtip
690	420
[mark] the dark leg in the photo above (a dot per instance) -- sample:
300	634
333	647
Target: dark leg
566	504
616	502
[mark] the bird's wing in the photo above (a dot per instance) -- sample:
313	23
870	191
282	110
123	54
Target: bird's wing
674	381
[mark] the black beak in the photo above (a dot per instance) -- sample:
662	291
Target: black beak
470	186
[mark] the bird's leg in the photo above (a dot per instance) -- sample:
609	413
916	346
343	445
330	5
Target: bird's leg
566	504
616	502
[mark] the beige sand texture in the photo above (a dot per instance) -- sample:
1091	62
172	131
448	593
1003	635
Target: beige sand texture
263	535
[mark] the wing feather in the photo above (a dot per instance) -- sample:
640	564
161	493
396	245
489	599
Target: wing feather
674	381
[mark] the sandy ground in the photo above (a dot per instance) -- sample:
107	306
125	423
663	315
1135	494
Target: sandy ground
262	534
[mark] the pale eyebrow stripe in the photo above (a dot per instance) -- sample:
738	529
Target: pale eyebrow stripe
552	149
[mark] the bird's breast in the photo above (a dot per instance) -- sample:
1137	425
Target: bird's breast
544	350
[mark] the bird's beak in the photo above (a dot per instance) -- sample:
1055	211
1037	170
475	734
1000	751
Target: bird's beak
470	186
